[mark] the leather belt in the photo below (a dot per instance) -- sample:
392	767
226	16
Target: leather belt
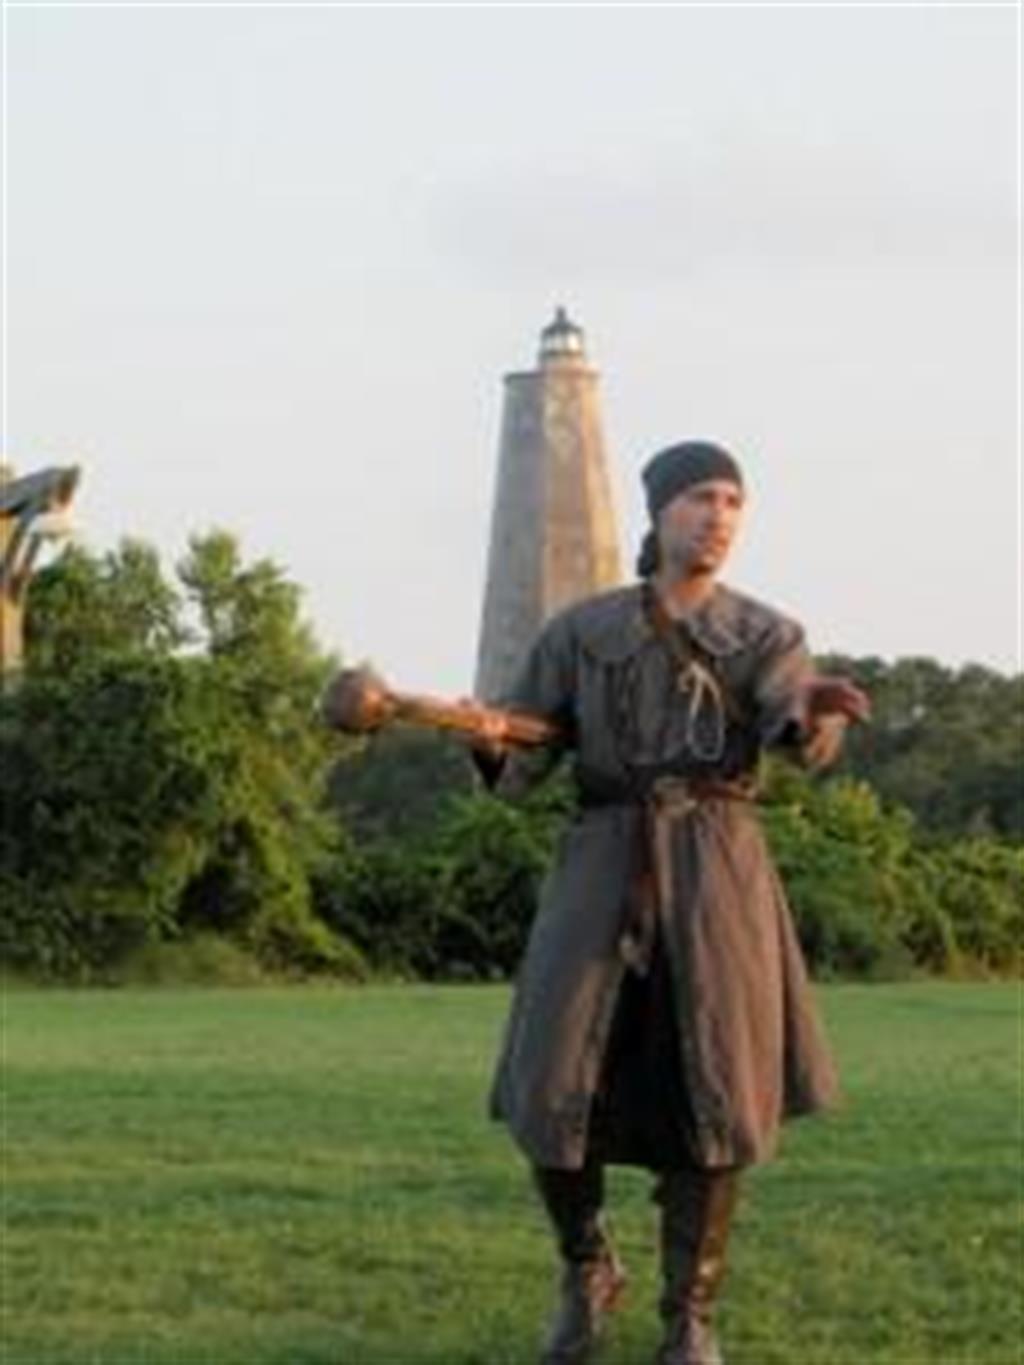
666	799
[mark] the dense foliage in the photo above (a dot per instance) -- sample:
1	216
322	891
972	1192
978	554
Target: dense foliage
160	769
947	743
169	803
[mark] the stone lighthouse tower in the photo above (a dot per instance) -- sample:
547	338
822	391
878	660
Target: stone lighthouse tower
554	537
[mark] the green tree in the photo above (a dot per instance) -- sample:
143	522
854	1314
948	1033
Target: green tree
151	790
110	788
84	607
945	742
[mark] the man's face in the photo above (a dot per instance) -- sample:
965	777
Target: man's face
696	529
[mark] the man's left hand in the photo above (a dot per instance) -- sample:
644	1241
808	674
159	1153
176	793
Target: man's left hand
832	696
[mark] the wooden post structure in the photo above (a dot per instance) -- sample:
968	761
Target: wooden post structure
33	509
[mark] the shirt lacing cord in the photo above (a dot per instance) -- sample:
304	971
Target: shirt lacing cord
706	705
701	683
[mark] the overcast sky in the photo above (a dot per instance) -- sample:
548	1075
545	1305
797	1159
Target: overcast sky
266	267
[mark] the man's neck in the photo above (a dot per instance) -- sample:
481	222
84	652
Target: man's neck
683	593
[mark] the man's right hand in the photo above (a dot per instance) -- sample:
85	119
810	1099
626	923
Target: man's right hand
490	734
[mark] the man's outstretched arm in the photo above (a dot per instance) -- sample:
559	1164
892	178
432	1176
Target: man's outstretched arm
803	713
543	687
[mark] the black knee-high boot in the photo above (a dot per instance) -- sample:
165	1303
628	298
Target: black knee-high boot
592	1277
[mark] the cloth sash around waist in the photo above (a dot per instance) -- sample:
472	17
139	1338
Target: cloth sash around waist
667	798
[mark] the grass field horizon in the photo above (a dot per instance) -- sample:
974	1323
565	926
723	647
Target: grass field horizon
305	1175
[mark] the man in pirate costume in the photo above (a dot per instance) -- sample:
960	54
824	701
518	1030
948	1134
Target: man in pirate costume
662	1014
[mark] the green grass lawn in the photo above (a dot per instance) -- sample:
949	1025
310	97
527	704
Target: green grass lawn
306	1176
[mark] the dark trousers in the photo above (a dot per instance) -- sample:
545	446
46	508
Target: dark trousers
641	1113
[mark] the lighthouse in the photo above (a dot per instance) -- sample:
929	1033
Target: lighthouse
554	534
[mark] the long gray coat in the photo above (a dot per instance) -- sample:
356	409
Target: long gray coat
752	1044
